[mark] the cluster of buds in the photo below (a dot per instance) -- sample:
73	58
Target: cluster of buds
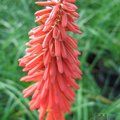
51	60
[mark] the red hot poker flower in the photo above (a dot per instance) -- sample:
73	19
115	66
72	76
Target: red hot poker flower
51	60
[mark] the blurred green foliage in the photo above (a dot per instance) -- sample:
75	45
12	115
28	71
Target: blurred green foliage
100	47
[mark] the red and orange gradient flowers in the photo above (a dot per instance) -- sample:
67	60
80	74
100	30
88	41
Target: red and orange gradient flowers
51	60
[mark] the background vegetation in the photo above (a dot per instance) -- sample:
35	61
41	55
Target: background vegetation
100	60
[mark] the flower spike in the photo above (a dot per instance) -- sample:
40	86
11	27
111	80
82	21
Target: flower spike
51	60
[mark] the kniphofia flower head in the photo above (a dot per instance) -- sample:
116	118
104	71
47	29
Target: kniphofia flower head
51	60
